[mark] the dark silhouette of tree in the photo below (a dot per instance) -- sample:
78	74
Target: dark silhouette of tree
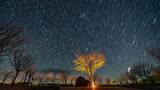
72	79
139	72
51	77
64	77
123	79
5	74
155	52
11	38
97	79
132	77
142	71
20	62
108	81
40	78
29	72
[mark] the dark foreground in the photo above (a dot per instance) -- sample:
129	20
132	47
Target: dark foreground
74	88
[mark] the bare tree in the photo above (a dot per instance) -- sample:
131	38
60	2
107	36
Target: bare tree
64	77
98	79
72	79
29	72
38	77
142	70
155	52
123	79
11	38
20	62
51	77
132	77
5	74
108	81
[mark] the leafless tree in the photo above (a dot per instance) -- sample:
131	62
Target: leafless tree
123	79
20	62
155	52
143	70
11	38
50	77
5	74
72	79
38	77
29	72
108	81
98	79
132	77
64	77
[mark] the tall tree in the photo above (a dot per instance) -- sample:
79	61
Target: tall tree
64	77
5	74
20	62
72	79
11	38
132	77
98	79
142	70
29	72
155	52
123	79
89	63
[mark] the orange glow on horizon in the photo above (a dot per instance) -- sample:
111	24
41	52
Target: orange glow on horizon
93	85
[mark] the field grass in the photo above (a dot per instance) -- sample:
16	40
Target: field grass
56	87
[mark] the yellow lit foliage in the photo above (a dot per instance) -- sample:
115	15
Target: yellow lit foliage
89	63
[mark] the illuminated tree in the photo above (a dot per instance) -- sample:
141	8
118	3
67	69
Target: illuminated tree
89	63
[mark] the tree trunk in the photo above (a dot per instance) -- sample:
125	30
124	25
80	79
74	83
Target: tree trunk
4	79
13	81
65	82
40	81
25	78
29	79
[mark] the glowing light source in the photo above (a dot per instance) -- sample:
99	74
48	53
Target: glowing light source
93	85
129	69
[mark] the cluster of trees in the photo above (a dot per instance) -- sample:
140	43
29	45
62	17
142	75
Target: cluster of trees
138	73
12	46
62	78
142	72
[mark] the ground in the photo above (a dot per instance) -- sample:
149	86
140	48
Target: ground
75	88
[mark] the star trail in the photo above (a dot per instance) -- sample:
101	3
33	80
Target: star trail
121	29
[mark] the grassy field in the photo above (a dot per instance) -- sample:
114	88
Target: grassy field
17	87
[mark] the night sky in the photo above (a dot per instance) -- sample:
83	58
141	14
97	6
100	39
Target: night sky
121	29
